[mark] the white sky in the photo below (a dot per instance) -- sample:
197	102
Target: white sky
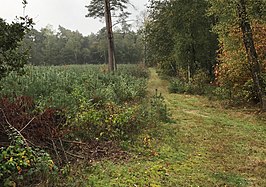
67	13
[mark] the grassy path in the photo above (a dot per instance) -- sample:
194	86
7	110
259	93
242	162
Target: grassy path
205	145
216	147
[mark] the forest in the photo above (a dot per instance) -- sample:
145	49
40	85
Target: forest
178	100
64	47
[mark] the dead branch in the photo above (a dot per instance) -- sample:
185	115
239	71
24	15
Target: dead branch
27	124
11	127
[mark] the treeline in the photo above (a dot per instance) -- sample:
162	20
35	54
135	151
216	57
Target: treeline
179	37
50	47
208	41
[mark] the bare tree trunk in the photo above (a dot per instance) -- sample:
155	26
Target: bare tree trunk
251	52
110	38
188	73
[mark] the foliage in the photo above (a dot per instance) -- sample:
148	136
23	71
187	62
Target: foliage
233	71
118	122
110	122
199	84
99	105
96	8
21	165
137	71
50	47
66	87
12	56
73	103
35	126
178	37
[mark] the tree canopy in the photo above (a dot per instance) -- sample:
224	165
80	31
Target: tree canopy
61	47
179	36
12	56
118	8
222	39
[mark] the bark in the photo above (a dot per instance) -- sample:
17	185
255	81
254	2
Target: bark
251	52
110	38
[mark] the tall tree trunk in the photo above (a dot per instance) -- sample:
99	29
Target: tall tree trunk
110	38
251	52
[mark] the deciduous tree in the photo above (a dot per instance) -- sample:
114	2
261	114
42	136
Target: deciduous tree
238	23
12	57
179	37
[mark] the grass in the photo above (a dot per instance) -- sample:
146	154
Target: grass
204	145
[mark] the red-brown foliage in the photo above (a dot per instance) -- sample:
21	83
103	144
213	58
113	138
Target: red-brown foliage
35	127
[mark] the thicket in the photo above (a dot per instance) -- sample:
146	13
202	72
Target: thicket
12	56
65	109
201	48
234	69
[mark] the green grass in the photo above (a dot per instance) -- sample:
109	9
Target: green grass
204	145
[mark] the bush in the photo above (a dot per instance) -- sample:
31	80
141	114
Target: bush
109	122
199	84
117	122
177	86
21	165
137	71
158	109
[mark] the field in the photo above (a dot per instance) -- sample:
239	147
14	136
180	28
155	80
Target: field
127	130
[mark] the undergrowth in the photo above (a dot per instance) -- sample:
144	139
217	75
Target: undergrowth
67	110
204	145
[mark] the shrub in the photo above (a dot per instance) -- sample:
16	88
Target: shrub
177	86
21	165
109	122
198	85
158	108
65	87
137	71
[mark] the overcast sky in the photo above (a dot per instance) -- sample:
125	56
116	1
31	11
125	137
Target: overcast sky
67	13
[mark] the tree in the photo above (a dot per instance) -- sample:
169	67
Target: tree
71	44
12	57
251	52
34	40
179	37
63	46
237	25
99	9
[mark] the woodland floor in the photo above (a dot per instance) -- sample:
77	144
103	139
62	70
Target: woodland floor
203	145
